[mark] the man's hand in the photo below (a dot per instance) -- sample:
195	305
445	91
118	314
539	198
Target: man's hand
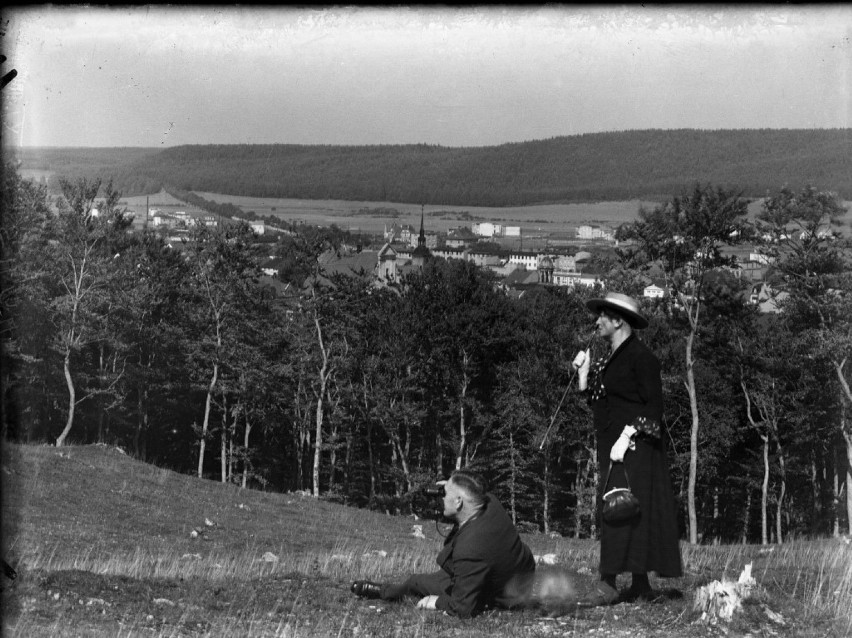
427	602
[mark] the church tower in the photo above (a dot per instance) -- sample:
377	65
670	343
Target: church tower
421	253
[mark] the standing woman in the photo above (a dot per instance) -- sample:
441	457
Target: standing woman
625	393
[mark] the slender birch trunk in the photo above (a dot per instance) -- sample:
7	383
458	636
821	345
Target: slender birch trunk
323	379
245	450
693	440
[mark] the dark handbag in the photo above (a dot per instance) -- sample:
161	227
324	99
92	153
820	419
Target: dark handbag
619	503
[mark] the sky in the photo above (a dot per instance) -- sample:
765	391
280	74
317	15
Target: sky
164	76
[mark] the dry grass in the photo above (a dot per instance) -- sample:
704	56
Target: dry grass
104	547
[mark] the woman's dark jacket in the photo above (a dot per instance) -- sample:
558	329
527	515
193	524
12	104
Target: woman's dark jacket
626	387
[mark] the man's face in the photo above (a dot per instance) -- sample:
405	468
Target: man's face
606	325
452	500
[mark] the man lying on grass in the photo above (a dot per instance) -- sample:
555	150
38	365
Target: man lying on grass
484	563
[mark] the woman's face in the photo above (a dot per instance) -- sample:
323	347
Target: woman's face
606	325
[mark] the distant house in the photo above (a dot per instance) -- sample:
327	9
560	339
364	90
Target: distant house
386	267
392	233
587	231
766	299
204	219
487	229
450	253
408	235
483	258
654	291
459	237
271	267
161	220
574	279
521	277
403	252
565	263
581	257
528	260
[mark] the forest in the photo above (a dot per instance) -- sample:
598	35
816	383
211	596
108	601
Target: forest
363	394
614	166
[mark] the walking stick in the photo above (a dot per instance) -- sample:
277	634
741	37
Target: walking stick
565	394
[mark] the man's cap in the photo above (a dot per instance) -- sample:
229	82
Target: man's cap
622	305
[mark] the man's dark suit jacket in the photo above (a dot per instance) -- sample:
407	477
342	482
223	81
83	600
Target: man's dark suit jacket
481	557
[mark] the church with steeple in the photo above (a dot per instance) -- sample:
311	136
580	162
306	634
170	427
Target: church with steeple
421	254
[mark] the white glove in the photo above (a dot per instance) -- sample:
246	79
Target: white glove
427	602
582	362
624	443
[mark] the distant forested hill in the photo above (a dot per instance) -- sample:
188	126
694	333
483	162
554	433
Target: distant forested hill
591	167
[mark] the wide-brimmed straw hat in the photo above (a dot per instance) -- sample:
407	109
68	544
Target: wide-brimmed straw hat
622	305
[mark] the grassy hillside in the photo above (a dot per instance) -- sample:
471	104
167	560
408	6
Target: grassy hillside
613	166
106	545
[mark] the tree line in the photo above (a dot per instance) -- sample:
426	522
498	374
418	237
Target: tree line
327	383
650	164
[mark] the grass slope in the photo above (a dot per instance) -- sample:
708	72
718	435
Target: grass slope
109	546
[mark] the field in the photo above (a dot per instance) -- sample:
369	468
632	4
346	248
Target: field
106	545
372	217
542	221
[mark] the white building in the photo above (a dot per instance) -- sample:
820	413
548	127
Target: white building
587	231
654	291
487	229
525	259
574	279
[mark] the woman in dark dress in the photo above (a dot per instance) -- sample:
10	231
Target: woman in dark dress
626	398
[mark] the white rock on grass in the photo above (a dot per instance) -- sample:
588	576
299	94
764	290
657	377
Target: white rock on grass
269	557
417	531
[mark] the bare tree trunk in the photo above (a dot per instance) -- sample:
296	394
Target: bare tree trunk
847	436
245	449
72	403
545	505
513	480
370	462
223	441
716	513
73	336
462	426
332	460
779	510
439	452
403	461
101	376
764	494
746	516
206	423
579	490
324	375
693	440
232	434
